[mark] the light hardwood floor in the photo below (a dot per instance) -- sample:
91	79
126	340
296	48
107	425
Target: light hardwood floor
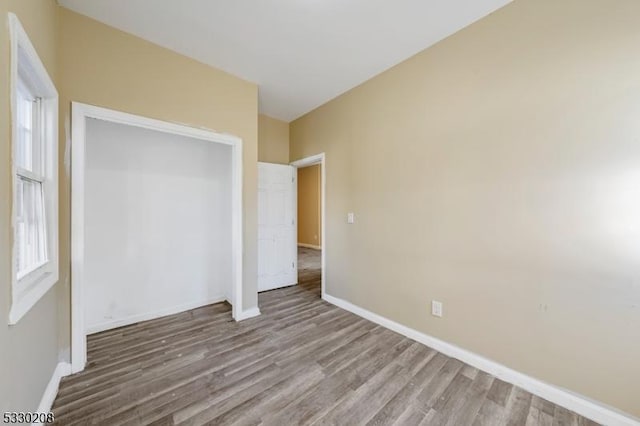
302	361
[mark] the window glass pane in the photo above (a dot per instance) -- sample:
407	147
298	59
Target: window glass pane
28	144
25	131
30	226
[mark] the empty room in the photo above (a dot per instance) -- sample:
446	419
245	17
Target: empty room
338	212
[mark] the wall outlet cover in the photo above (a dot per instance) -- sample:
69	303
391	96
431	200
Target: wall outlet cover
436	308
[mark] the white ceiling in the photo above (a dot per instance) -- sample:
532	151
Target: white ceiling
301	53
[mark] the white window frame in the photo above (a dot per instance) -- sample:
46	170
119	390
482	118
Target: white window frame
27	68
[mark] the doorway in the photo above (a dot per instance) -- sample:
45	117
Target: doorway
311	229
291	227
155	240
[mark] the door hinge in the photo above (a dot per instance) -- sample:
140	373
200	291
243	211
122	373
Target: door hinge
293	266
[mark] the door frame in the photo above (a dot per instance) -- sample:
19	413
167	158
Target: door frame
79	114
306	162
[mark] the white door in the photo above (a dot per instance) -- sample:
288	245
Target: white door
277	247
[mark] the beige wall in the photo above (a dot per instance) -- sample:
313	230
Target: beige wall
273	140
309	206
499	172
102	66
29	349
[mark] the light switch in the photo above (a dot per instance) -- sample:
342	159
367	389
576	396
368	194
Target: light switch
350	218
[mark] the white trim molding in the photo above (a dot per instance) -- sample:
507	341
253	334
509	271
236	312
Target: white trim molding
80	113
311	161
46	402
310	246
582	405
249	313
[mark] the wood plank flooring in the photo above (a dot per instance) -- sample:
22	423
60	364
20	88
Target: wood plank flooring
303	361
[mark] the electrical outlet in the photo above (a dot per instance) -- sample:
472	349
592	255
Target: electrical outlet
350	218
436	308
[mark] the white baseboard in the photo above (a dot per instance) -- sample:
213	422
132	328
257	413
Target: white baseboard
107	325
582	405
311	246
50	392
248	313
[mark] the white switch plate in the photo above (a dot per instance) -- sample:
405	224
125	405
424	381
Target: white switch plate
350	218
436	308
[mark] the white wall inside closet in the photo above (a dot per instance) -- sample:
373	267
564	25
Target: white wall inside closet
158	224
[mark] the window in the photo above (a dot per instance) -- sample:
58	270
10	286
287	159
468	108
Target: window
34	112
30	226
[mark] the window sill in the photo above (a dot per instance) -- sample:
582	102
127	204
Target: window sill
34	271
24	301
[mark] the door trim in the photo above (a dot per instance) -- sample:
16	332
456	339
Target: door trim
80	113
311	161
